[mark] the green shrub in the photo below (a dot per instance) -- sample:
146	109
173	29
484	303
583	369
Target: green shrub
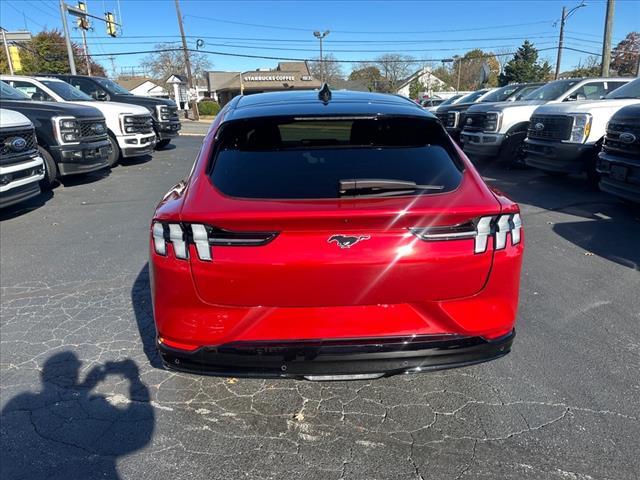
208	107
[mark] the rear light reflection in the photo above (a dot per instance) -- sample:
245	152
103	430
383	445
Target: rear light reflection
479	229
203	237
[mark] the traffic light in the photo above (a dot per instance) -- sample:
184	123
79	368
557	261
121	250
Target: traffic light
111	24
83	21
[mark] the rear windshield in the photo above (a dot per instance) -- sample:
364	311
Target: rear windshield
292	158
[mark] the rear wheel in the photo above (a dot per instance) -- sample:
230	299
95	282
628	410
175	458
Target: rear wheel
512	152
162	143
114	156
51	173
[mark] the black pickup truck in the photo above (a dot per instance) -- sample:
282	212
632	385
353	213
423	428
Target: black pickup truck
166	122
72	139
619	161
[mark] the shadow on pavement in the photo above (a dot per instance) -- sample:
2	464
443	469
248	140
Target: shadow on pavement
66	431
610	228
22	208
125	162
85	178
143	310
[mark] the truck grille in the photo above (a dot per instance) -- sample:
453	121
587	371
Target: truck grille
625	145
8	154
138	124
93	129
474	122
554	127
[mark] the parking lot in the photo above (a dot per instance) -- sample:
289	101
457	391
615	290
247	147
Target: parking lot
84	395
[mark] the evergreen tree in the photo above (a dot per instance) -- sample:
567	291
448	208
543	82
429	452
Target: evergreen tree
416	87
525	67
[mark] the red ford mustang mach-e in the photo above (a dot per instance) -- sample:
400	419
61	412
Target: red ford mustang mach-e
337	235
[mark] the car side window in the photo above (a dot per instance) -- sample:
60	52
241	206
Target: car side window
589	91
87	86
611	86
32	91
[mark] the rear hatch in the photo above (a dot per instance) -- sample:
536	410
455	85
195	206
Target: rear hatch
298	214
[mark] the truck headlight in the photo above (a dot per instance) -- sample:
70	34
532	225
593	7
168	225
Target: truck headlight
581	127
452	119
67	129
493	121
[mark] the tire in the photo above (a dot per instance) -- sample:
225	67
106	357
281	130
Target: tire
593	177
114	156
512	153
162	143
51	174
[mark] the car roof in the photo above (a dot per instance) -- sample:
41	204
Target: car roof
308	102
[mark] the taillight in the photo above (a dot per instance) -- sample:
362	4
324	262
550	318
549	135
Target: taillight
180	235
479	229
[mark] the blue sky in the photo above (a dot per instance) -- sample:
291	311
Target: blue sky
360	30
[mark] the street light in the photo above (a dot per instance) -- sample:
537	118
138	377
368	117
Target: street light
320	36
565	16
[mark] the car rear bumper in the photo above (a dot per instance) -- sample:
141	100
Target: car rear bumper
481	144
557	156
336	359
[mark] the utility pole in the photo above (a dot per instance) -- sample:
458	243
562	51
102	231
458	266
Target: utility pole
6	51
457	58
65	27
194	105
83	25
320	36
565	16
606	42
560	42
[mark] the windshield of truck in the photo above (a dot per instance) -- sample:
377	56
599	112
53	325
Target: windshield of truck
553	90
501	94
451	100
7	92
66	91
472	97
112	86
630	90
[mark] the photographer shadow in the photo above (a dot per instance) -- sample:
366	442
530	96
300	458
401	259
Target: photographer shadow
66	431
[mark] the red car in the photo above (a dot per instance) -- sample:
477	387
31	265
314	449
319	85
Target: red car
337	235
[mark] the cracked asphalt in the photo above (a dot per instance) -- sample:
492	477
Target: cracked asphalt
84	397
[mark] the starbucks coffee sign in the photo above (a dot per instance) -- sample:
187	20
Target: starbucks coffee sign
269	78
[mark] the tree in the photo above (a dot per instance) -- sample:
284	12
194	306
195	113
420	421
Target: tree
591	68
168	60
624	57
416	87
470	67
369	75
525	67
393	67
332	69
47	53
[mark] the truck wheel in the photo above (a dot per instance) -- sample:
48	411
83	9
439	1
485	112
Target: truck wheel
162	143
114	156
512	153
51	175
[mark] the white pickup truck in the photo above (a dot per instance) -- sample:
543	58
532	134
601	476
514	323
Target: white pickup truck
21	168
130	127
566	137
499	129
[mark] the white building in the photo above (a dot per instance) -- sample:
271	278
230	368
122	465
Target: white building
143	86
429	80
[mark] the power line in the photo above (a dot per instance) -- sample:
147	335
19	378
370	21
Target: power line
25	15
299	29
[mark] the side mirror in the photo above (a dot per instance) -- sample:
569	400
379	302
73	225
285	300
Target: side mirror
100	95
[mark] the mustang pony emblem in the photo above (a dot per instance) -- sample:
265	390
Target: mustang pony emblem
346	241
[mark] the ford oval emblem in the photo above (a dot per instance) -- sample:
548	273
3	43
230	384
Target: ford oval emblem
469	121
98	128
627	137
17	144
539	126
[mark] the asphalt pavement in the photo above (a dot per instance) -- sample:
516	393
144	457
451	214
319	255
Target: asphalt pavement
83	395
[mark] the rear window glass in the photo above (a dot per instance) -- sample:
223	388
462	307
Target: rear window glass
309	157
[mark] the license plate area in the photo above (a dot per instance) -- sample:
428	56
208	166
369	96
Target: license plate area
619	172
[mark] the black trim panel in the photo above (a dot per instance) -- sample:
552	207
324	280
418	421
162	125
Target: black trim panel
298	359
